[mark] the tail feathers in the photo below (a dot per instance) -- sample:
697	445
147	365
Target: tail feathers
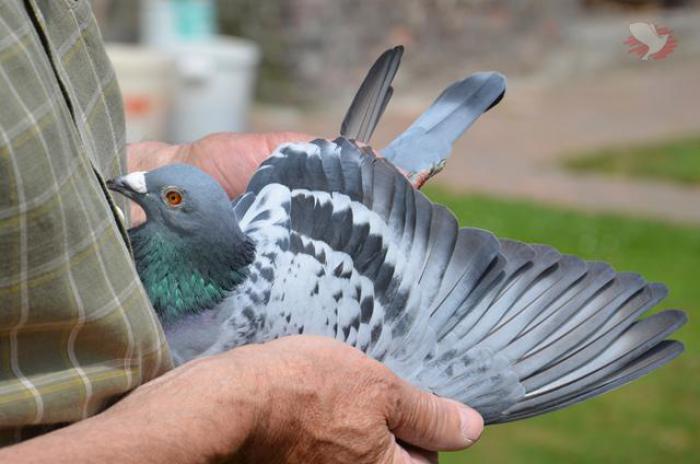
427	143
372	97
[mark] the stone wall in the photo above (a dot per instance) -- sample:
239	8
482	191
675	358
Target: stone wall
313	49
319	45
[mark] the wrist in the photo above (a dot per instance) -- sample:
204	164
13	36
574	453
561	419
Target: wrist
229	409
262	395
202	412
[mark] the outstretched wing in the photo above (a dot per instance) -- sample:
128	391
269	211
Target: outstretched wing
511	329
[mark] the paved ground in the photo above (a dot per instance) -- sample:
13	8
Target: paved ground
515	150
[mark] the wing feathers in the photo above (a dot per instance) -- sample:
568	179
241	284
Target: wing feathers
512	329
371	99
653	359
427	143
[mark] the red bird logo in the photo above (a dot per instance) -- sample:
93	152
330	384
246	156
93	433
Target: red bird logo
649	41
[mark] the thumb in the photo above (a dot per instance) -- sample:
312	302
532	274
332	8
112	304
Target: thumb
433	423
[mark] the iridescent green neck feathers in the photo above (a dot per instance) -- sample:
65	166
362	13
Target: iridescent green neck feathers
182	276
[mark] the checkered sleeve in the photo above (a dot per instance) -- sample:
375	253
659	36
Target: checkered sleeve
76	328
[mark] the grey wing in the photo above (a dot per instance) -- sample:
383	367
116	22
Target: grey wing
512	329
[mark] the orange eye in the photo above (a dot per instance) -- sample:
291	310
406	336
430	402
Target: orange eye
173	197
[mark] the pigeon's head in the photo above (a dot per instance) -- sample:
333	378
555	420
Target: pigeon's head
178	198
191	238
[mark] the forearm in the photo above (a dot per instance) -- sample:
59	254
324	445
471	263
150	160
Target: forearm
155	424
106	440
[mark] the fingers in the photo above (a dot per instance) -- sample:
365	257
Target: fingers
229	157
145	156
433	423
233	158
137	214
399	454
421	456
274	139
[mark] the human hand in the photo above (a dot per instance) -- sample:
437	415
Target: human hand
301	399
297	399
323	401
229	157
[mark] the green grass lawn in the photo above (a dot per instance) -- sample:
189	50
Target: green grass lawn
657	418
677	160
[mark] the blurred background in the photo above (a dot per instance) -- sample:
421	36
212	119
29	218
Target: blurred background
592	150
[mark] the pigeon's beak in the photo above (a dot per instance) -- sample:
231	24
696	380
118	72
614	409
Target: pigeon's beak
118	185
132	185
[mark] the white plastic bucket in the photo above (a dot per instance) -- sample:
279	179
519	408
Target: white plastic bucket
145	80
214	88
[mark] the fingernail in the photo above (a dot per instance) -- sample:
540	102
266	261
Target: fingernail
472	424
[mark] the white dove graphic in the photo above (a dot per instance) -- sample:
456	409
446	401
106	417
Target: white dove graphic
647	34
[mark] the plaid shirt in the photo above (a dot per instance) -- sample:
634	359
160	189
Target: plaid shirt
76	327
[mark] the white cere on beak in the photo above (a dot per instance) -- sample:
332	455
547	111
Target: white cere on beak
136	181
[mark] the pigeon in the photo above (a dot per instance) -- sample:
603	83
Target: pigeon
334	239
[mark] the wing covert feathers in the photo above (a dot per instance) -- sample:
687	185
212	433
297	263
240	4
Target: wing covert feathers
512	329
